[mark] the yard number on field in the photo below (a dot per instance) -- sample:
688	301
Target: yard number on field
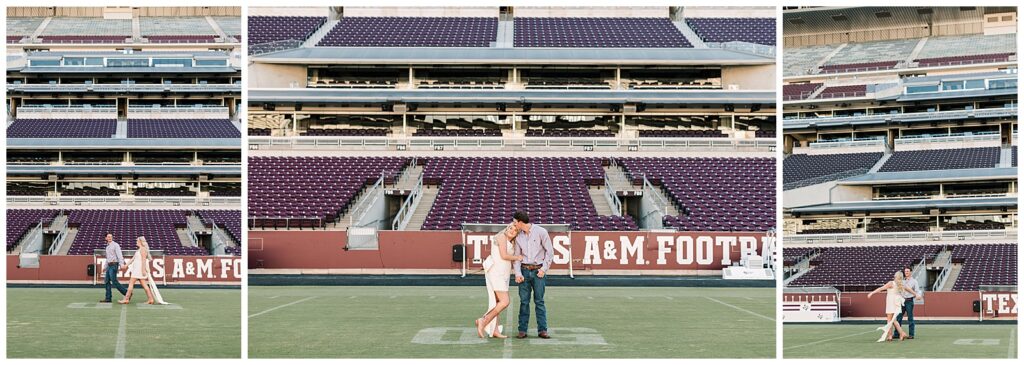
467	336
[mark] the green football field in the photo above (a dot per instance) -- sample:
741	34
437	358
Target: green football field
437	322
70	323
930	341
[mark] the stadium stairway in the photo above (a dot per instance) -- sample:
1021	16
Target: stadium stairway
954	272
409	178
40	28
917	50
1005	156
690	34
136	29
216	28
320	33
600	202
823	61
122	128
616	176
420	213
58	222
506	34
881	162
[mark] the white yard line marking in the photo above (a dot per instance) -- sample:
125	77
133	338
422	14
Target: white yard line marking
740	309
353	297
630	298
669	298
122	335
281	306
393	297
591	298
506	352
275	297
1013	343
433	296
827	340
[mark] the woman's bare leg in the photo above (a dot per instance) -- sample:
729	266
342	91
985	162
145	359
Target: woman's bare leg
888	326
483	321
149	292
900	329
128	295
503	302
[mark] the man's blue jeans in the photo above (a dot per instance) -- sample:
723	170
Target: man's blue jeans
531	283
111	279
908	308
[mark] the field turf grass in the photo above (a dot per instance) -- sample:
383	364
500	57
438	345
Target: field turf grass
436	322
70	323
931	341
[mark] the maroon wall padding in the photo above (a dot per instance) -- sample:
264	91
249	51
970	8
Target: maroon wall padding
433	250
936	304
73	268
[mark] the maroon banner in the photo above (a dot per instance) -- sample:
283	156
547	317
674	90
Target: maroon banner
951	304
433	250
173	268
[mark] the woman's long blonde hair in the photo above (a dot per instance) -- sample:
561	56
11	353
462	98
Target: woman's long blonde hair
141	241
897	279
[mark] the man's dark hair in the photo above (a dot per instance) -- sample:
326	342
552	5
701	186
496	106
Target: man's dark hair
907	268
521	216
108	234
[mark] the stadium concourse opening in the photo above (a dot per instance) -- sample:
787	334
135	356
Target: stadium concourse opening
123	121
904	163
642	138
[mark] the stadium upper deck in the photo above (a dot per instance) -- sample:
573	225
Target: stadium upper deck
509	78
910	149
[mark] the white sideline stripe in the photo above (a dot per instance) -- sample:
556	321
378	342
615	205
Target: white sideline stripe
506	352
1013	343
827	340
122	335
281	306
740	309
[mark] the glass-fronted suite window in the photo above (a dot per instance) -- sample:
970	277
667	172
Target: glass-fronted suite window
211	62
164	62
127	62
922	89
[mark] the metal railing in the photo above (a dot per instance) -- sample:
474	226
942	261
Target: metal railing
857	142
915	116
262	48
508	144
122	200
362	207
848	238
58	241
408	207
654	218
978	137
613	198
123	87
46	108
947	267
289	222
745	47
824	179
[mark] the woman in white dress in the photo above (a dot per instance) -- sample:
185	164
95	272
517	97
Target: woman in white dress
138	265
893	306
497	269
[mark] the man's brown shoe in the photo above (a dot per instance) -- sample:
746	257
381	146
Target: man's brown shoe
105	301
910	338
543	335
521	335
